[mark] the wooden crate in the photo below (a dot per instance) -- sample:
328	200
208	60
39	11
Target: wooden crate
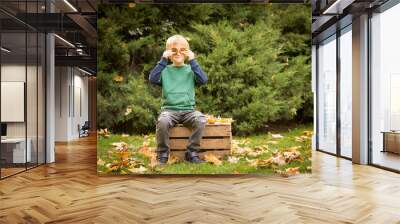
217	139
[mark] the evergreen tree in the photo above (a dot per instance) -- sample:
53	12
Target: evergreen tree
257	62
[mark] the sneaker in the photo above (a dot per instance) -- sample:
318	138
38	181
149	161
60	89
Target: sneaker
162	158
193	157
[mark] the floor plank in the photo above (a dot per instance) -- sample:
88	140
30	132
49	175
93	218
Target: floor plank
69	191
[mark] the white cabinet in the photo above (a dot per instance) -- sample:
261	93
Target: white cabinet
18	149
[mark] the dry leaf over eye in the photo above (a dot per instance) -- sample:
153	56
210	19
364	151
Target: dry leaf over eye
210	157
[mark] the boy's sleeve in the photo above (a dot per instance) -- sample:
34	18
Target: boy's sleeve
155	74
199	74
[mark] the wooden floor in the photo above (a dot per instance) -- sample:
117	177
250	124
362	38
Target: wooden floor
70	191
10	171
387	159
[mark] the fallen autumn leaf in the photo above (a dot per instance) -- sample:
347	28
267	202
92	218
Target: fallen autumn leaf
210	157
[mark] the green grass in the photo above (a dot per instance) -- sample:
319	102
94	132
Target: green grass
242	167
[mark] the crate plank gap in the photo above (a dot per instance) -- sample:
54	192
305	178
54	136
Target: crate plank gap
217	139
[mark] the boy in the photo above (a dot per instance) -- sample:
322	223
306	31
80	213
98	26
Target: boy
178	97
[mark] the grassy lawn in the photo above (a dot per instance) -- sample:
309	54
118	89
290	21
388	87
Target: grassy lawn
268	145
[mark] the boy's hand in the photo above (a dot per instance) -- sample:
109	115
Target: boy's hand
167	54
189	54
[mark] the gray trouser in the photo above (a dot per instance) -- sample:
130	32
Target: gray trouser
169	118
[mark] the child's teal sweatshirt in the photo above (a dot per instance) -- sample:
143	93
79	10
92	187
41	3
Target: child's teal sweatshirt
178	84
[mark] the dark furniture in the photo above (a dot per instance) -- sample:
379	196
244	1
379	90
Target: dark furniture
3	129
84	130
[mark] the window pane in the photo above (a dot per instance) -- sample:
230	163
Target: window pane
327	95
41	98
346	92
31	96
14	150
386	88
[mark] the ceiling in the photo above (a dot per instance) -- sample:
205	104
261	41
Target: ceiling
74	22
332	15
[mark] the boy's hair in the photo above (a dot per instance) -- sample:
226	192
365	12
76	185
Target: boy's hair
176	38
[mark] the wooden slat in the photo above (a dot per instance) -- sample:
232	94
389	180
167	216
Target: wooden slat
223	143
218	153
210	130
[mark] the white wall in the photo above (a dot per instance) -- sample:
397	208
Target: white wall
80	96
34	125
62	81
12	73
71	94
